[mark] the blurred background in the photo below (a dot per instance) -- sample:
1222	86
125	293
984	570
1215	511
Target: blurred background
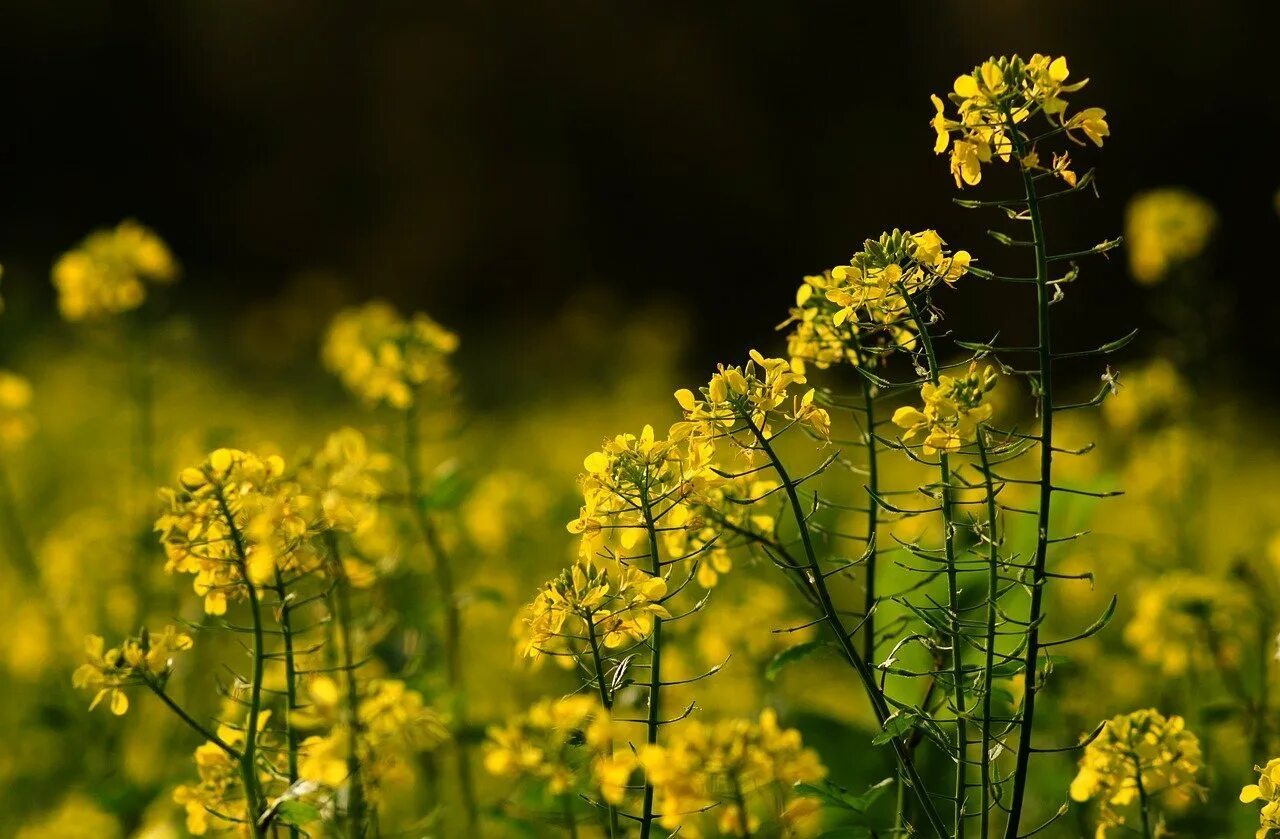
491	161
604	200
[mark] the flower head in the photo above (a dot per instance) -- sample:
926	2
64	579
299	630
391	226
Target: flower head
952	411
146	659
556	744
234	520
992	100
16	421
109	271
1141	746
1165	228
383	358
756	393
731	763
1267	790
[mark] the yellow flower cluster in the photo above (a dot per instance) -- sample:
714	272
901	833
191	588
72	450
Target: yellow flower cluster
873	287
757	393
816	338
383	358
587	606
108	272
727	763
146	659
953	410
631	473
234	518
216	801
1164	228
1184	620
16	421
1141	748
721	511
1267	789
394	723
557	743
997	96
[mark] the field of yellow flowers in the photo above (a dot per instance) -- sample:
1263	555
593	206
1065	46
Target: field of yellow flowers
890	574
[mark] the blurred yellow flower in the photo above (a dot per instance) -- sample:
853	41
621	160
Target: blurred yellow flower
1165	228
383	358
108	272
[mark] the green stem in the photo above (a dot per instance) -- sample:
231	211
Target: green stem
1144	800
818	582
192	723
342	614
953	586
1045	403
873	523
652	720
740	800
452	635
290	685
993	592
597	663
248	760
570	821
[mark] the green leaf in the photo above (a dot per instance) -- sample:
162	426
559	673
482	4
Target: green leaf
897	725
297	813
791	655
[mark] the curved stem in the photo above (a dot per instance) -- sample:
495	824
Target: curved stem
1045	405
248	760
192	723
452	635
818	581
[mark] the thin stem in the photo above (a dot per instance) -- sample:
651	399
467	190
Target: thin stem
1144	800
873	510
192	723
452	635
248	761
740	801
655	664
597	663
342	616
817	581
953	587
570	821
993	593
290	685
1044	295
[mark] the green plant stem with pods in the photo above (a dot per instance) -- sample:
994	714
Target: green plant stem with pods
843	636
653	716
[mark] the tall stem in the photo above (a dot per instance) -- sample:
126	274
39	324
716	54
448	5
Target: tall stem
873	523
653	719
452	635
1045	405
342	614
818	582
1144	799
993	592
290	684
248	760
955	630
597	663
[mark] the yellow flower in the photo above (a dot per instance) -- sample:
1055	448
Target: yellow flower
144	660
17	423
564	745
990	102
953	410
757	762
383	358
1141	744
1166	228
1178	613
1267	789
108	272
587	606
234	520
754	393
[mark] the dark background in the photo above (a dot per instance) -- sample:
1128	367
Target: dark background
488	161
